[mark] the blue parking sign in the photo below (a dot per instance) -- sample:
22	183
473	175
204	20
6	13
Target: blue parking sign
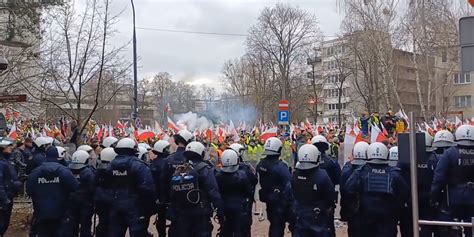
283	117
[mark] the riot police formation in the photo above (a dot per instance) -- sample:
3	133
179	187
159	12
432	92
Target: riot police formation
314	195
455	174
380	190
129	183
237	187
349	201
332	168
275	182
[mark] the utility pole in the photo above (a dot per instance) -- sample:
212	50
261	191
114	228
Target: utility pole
135	79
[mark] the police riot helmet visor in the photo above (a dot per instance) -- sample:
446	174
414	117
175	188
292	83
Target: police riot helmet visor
465	142
358	162
306	165
76	166
230	169
271	153
443	144
377	161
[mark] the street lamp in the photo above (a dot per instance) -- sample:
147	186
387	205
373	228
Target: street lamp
135	79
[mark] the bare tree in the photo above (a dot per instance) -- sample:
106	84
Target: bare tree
76	57
283	35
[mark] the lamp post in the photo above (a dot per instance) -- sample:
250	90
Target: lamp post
135	79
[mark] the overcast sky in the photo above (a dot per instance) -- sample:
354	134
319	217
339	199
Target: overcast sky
197	58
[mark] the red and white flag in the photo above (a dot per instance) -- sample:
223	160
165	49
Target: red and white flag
458	122
271	132
172	125
13	133
376	135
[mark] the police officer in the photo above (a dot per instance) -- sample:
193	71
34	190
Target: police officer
393	156
103	195
455	172
443	140
9	184
314	194
275	182
109	142
381	191
193	190
181	139
349	201
330	165
236	189
425	171
131	183
161	151
81	205
50	186
250	171
39	156
92	155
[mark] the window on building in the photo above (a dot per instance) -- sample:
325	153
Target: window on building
330	51
462	78
332	119
331	64
309	75
335	106
462	101
444	56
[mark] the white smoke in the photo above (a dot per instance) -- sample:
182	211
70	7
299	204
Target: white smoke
192	121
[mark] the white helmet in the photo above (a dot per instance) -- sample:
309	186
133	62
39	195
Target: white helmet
308	157
125	143
393	157
359	153
5	142
428	142
142	153
43	141
230	161
185	135
465	135
145	145
79	159
109	141
193	149
377	153
161	146
443	138
319	139
237	147
107	154
61	152
273	146
86	148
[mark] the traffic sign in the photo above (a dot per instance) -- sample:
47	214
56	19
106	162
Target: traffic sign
138	122
283	117
12	98
283	105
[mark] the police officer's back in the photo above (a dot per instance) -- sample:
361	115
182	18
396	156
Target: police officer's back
131	183
381	192
349	201
181	139
9	184
103	195
455	171
314	194
161	150
81	205
49	187
275	183
193	190
236	187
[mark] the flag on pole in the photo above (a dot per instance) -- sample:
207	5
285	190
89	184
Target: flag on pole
458	122
13	133
429	129
172	125
376	135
